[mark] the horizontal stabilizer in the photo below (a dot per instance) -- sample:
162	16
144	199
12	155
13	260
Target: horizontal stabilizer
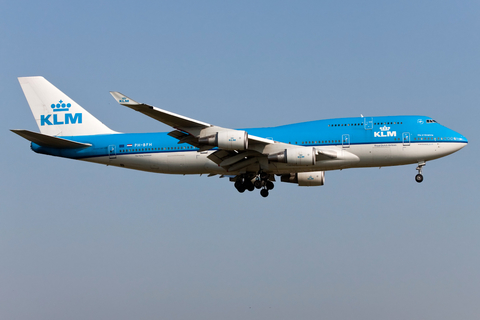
49	141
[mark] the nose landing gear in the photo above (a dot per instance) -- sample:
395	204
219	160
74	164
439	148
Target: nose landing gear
419	176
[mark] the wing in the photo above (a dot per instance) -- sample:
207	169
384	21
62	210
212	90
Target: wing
195	129
169	118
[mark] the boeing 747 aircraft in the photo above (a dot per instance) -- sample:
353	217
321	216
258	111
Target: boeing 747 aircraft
253	158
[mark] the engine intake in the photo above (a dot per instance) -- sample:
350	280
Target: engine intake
227	140
305	179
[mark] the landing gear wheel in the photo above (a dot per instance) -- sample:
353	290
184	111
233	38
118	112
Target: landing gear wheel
258	184
419	178
240	186
263	175
249	186
241	189
269	185
264	193
238	183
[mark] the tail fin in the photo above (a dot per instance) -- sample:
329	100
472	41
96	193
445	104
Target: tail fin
56	114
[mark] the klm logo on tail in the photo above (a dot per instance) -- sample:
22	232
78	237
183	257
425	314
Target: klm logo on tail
60	106
68	118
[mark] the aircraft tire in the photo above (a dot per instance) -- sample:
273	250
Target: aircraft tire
241	189
258	184
419	178
238	184
264	193
269	185
249	186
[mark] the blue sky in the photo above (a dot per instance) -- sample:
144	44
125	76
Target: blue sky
79	240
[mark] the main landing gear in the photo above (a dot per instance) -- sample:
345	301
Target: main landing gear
251	182
419	176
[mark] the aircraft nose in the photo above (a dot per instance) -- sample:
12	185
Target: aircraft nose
461	138
462	141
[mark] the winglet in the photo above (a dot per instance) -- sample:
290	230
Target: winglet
123	99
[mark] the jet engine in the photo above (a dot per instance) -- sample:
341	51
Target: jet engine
305	179
227	140
300	156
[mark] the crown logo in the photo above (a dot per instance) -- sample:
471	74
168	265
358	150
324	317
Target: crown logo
123	100
60	106
384	128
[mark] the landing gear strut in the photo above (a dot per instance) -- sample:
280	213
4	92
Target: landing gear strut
263	181
419	176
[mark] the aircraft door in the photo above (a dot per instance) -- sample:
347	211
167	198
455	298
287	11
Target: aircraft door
406	138
346	141
111	152
368	123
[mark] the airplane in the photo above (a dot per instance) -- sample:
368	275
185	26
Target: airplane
253	158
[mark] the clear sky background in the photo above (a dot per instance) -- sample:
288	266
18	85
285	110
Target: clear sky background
86	241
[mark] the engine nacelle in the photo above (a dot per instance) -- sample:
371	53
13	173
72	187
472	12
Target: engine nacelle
299	156
227	140
305	179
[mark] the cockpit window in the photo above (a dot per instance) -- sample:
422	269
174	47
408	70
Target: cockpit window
431	121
